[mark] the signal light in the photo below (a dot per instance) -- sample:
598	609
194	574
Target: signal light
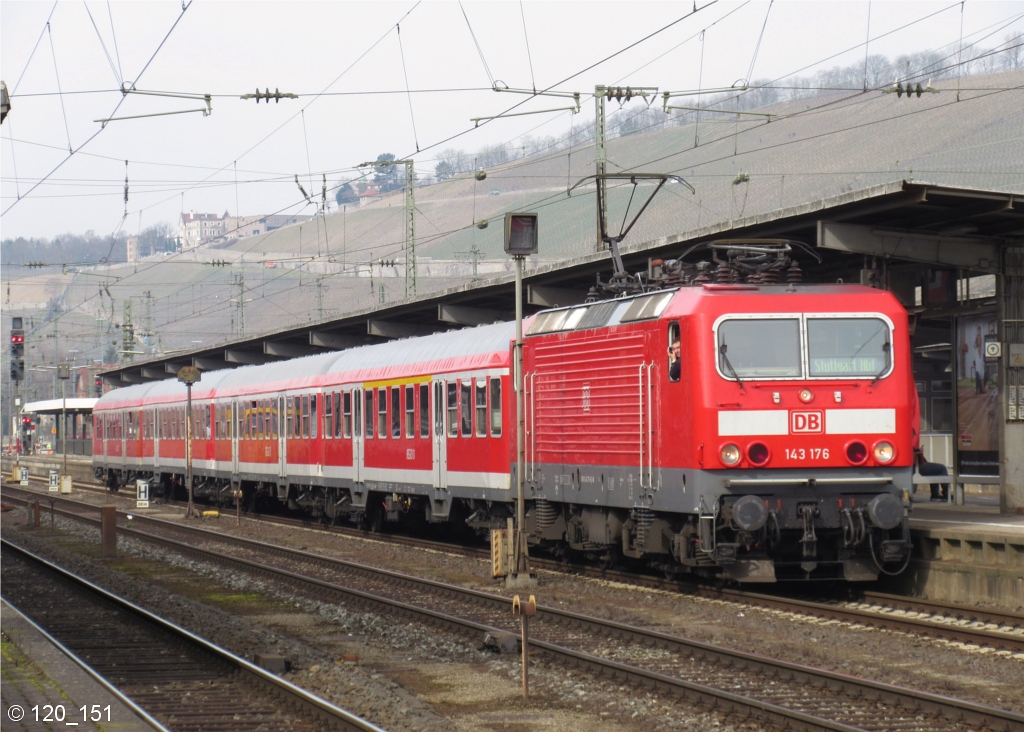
16	338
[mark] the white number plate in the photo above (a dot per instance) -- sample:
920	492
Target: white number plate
808	453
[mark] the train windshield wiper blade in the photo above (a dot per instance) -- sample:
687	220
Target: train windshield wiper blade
722	350
885	350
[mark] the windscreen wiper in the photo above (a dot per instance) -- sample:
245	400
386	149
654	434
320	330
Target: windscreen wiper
722	349
885	350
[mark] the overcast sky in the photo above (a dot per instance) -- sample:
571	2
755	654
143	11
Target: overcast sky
354	52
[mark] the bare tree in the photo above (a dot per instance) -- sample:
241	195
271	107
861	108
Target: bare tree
1012	55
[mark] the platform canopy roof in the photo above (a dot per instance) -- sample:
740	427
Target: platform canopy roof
56	406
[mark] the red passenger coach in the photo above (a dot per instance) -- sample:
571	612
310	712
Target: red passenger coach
753	431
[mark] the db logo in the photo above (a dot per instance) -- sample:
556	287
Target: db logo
806	422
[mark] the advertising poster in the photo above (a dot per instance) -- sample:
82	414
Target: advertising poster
977	397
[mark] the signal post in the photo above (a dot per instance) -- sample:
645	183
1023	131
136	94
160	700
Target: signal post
520	242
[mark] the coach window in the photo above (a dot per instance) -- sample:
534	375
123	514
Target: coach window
312	415
410	410
289	415
396	411
481	407
453	409
304	416
467	408
275	412
357	413
382	413
337	414
328	415
255	412
368	411
675	352
346	408
260	419
424	410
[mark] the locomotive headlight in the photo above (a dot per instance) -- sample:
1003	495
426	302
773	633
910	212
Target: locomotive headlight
806	396
731	454
884	452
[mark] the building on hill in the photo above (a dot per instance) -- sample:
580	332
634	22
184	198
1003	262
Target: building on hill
241	227
194	229
133	249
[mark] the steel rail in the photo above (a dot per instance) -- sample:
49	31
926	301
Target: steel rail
952	709
90	671
310	703
932	627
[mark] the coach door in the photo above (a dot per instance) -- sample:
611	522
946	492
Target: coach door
357	434
282	440
440	439
235	422
156	438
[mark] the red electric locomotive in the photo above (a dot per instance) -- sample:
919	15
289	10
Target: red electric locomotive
749	430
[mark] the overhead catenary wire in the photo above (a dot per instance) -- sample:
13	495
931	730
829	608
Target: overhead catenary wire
184	7
56	73
103	45
570	137
405	74
117	53
529	56
760	37
480	52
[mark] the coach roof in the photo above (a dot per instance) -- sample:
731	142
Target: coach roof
485	346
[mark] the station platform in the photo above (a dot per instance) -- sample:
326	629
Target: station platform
967	553
79	467
38	678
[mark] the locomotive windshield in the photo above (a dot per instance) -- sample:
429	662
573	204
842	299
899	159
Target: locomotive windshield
847	346
826	347
760	348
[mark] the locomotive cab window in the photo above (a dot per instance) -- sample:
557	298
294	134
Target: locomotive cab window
759	348
675	360
848	347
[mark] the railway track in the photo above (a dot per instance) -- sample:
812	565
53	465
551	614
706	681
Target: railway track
183	681
747	685
984	627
